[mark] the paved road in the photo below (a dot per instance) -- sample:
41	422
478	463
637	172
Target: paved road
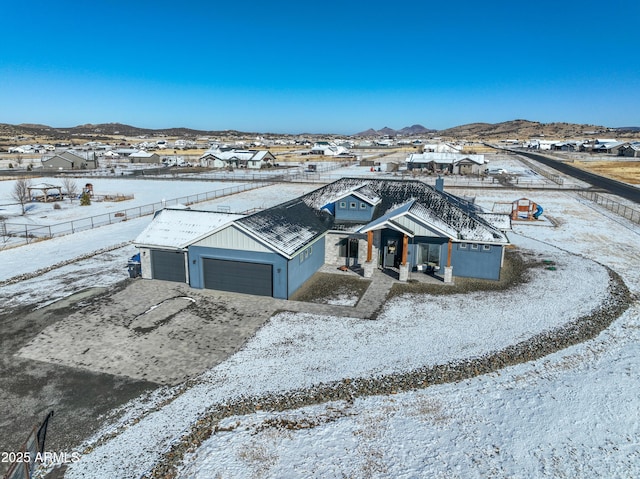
612	186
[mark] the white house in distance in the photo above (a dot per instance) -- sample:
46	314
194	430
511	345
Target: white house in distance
440	148
454	163
251	159
327	148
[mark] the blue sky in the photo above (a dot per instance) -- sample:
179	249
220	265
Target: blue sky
318	67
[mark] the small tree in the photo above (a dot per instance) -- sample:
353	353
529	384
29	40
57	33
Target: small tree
20	192
71	187
85	199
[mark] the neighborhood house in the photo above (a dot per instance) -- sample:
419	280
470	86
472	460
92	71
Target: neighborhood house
401	225
251	159
444	162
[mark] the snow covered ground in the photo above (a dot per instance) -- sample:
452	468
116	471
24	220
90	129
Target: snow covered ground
574	413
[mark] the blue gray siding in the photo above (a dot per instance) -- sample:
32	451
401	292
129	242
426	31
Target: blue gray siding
482	263
351	208
196	253
302	266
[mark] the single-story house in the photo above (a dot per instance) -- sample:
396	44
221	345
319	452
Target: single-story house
567	146
251	159
631	150
71	160
124	152
404	225
454	163
327	148
605	146
144	157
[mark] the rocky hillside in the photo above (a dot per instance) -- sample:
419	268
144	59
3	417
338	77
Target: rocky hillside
524	129
406	131
515	129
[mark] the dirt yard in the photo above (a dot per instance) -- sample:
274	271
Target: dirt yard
627	171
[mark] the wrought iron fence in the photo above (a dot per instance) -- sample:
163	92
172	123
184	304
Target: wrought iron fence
551	176
24	462
613	206
31	232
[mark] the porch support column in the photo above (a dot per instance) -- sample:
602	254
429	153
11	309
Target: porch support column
448	270
405	247
404	267
368	265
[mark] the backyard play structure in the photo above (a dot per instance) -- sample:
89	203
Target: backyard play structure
521	210
525	209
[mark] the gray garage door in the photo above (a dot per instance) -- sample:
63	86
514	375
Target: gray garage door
168	265
238	277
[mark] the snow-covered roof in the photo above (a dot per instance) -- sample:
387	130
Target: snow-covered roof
455	217
44	186
142	154
608	145
444	157
364	193
287	227
237	154
178	228
457	225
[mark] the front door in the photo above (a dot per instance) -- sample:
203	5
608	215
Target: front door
390	253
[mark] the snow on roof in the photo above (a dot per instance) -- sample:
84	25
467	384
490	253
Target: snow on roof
260	155
287	227
454	216
141	154
43	186
178	228
444	157
239	154
364	193
333	191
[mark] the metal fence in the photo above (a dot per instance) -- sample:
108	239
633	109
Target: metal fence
557	179
613	206
24	462
31	232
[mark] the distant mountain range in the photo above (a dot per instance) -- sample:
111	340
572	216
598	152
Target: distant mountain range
406	131
515	129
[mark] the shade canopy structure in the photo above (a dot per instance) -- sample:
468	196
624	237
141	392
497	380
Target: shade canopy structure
45	188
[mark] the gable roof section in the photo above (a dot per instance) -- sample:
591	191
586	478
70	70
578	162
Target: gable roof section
455	217
232	155
142	154
72	156
444	158
178	228
288	227
363	193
